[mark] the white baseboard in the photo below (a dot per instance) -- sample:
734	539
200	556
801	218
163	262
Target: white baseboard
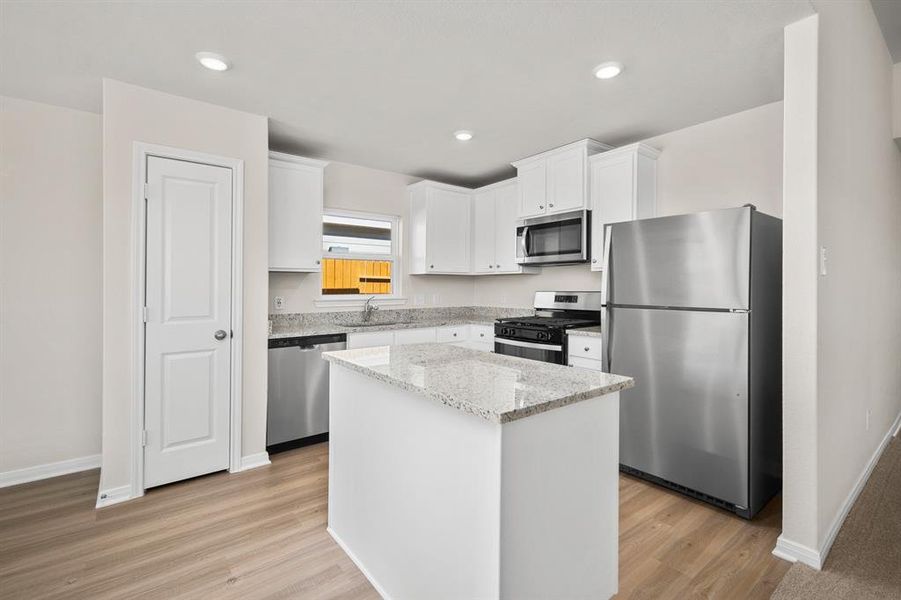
63	467
353	557
112	496
795	552
252	461
856	490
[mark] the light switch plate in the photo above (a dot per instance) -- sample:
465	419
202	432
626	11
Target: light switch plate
279	303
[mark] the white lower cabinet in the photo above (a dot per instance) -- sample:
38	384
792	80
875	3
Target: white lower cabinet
369	339
414	336
453	334
584	352
477	337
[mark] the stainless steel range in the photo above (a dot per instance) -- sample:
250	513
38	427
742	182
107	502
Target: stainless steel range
543	337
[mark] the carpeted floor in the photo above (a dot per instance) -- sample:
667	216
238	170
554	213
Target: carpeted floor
865	561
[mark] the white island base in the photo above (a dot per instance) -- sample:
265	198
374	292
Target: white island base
435	503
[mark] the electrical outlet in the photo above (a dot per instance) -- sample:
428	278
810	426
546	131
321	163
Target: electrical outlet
279	303
868	419
823	261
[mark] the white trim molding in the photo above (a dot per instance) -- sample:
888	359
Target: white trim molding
48	470
114	496
252	461
794	552
141	151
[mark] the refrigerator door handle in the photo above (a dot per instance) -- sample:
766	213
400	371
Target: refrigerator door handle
605	274
606	326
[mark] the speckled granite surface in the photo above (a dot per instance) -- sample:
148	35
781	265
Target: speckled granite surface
585	331
495	387
322	323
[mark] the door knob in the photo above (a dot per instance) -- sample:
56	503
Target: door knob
220	335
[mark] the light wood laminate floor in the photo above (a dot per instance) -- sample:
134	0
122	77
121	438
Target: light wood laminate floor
261	534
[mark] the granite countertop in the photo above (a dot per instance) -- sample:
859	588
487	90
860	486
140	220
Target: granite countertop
332	328
585	331
496	387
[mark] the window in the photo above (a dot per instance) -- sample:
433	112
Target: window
359	254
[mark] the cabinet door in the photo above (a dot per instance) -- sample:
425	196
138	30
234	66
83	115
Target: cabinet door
484	227
612	199
504	235
414	336
369	339
532	180
566	181
295	217
448	229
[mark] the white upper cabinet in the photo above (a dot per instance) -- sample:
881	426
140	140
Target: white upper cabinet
295	213
623	184
557	180
440	228
494	229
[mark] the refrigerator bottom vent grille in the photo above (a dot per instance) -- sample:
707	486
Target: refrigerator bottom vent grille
684	490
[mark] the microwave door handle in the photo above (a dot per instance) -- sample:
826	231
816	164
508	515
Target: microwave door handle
525	241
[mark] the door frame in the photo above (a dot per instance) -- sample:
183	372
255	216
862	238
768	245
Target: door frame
141	152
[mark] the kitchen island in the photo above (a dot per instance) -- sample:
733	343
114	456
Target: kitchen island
458	474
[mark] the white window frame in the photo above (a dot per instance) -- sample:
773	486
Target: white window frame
396	257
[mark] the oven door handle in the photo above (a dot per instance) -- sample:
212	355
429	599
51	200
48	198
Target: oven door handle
550	347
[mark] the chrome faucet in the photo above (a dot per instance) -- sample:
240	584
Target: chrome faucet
368	309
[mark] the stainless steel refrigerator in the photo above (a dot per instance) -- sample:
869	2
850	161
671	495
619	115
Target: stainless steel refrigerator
693	311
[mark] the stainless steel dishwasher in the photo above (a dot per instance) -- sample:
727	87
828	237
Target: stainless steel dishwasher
298	390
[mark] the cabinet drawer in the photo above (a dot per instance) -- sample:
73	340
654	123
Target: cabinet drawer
585	347
585	363
481	334
414	336
453	333
369	339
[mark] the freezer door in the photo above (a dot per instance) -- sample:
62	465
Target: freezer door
686	419
700	260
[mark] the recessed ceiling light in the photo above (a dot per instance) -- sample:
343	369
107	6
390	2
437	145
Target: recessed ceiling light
213	61
463	135
608	70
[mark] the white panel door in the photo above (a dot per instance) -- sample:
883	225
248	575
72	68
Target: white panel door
532	188
612	199
483	260
188	298
505	201
566	181
448	231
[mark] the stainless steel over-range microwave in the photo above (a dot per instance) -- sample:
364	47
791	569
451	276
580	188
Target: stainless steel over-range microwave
557	239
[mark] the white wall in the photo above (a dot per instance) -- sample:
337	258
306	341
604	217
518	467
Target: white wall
131	114
799	287
50	250
854	345
351	187
723	163
859	223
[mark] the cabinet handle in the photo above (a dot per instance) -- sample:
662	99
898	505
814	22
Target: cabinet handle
594	260
541	206
455	335
586	348
317	262
481	335
490	267
551	205
431	266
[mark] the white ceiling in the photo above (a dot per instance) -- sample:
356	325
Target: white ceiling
384	84
888	13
